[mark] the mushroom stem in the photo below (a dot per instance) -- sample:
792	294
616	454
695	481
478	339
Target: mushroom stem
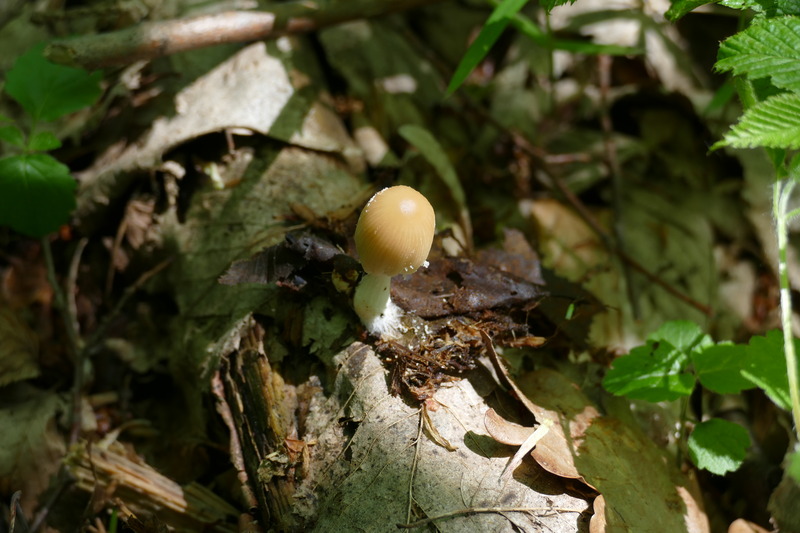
373	305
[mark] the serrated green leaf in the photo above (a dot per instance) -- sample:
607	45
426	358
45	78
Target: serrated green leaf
44	141
770	8
773	123
769	49
38	194
680	8
12	135
46	90
719	368
767	366
654	372
718	446
497	22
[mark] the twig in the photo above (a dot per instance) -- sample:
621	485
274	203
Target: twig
61	299
479	510
69	316
130	291
64	482
157	39
595	226
414	462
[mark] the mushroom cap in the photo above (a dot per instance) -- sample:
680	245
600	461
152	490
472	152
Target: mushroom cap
395	231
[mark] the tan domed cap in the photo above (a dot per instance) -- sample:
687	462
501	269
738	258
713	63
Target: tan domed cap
395	231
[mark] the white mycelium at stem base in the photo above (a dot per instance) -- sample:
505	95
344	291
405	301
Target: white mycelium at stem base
393	236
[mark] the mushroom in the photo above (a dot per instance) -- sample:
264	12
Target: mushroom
393	236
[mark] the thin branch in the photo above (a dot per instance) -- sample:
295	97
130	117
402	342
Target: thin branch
71	315
66	305
100	332
417	445
479	510
150	40
586	215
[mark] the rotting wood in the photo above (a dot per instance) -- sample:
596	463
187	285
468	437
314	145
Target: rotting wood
123	477
260	412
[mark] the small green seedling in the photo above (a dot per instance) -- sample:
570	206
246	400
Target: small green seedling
37	193
678	356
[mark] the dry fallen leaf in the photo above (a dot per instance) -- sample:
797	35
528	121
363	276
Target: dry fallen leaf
745	526
19	349
641	488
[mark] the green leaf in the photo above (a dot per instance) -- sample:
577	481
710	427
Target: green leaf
685	335
38	194
12	135
719	368
656	372
433	152
793	468
769	49
680	8
491	31
44	141
653	372
550	4
770	8
767	366
773	123
46	90
718	446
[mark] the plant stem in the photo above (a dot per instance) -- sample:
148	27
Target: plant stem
780	196
71	327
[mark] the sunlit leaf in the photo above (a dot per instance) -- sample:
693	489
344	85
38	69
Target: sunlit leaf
654	372
431	150
770	49
657	371
719	368
718	446
680	8
770	8
38	194
773	123
767	366
491	31
550	4
46	90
